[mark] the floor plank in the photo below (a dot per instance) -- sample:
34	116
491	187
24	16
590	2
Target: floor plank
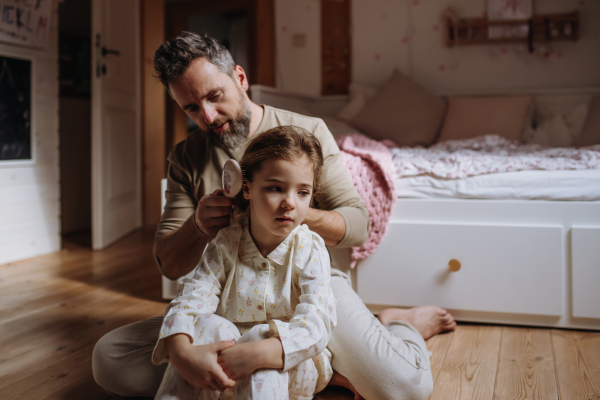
469	369
54	308
438	345
577	356
526	367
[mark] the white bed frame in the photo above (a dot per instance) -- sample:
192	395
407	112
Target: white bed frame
521	262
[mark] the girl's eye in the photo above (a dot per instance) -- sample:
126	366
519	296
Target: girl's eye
305	193
274	188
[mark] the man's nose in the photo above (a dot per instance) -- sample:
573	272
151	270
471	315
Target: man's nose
210	114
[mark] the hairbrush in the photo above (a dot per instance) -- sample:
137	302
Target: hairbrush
232	178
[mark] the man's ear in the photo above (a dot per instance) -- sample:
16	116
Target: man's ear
246	191
240	77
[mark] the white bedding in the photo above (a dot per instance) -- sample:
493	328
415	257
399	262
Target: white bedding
524	185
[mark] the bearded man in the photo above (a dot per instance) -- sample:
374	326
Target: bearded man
377	358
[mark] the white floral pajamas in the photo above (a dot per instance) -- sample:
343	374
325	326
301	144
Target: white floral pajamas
238	294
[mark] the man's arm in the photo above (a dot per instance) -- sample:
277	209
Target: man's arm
330	225
343	219
179	251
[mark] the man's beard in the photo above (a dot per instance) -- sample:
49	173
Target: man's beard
237	132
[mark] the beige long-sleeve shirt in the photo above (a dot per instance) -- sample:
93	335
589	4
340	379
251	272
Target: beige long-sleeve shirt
196	167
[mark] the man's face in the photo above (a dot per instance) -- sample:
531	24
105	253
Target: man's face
214	101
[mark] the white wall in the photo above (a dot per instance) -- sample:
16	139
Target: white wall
29	195
298	69
407	34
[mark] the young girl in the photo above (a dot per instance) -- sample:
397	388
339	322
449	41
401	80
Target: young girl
254	321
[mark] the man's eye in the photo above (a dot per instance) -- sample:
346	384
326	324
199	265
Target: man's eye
216	97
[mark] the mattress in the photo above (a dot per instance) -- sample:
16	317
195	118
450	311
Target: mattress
572	185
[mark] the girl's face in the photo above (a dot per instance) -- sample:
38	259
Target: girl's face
279	198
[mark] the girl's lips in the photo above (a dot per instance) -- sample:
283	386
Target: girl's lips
284	220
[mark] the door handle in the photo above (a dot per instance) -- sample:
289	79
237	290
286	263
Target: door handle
106	52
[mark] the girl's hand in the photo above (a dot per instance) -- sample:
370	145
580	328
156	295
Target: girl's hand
198	364
244	358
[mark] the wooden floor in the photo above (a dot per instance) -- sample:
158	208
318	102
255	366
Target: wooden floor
54	308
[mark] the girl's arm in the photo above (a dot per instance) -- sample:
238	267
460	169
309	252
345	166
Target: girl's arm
199	295
308	332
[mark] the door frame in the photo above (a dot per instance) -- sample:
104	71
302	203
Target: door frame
98	189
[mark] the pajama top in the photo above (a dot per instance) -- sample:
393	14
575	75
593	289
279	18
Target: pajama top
288	292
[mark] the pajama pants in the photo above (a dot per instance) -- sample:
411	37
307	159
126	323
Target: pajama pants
381	362
297	383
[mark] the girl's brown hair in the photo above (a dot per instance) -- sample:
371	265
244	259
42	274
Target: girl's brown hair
290	143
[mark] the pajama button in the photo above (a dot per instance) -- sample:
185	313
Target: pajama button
264	265
260	307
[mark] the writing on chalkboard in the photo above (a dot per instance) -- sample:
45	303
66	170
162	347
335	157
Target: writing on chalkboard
15	109
25	21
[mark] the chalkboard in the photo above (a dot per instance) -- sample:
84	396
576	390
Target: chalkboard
15	109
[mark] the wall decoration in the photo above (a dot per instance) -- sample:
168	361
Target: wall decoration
25	22
15	110
501	10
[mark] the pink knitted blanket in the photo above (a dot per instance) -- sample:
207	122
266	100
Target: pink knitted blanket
369	164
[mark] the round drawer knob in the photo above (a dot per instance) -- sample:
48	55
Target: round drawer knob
454	265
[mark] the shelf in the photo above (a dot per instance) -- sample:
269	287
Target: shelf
539	28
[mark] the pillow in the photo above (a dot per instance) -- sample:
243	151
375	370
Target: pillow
358	89
337	127
403	112
560	130
552	133
360	95
353	107
469	117
590	134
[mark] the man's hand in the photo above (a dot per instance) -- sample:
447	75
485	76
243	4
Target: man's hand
213	213
244	358
198	364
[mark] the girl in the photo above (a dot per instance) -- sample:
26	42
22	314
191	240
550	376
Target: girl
254	321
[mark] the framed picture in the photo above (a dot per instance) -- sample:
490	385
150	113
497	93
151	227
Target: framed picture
16	132
502	10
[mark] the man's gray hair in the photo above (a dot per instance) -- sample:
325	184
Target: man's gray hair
174	57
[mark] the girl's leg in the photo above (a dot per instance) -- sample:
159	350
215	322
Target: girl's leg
299	383
173	387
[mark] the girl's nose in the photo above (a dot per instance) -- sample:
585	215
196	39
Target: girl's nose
288	202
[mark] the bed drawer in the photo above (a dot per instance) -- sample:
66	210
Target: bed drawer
510	269
585	251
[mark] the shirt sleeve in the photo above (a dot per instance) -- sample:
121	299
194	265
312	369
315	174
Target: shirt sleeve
199	296
340	194
308	332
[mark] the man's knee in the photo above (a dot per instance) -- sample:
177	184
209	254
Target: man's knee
416	385
121	361
103	363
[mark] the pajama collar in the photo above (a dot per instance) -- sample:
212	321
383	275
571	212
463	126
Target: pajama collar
248	250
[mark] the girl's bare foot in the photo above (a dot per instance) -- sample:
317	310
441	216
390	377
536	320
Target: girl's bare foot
428	320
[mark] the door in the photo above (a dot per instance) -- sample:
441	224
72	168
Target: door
116	147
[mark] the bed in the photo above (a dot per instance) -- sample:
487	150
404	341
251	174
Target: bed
518	247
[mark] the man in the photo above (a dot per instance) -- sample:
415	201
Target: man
384	358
